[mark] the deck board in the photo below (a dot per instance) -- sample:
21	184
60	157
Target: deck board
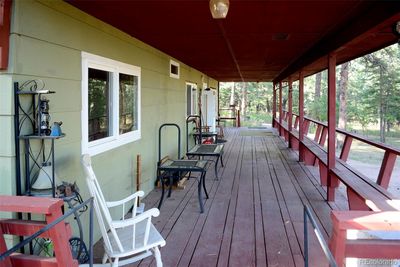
254	216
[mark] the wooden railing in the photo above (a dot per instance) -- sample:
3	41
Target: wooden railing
390	152
235	116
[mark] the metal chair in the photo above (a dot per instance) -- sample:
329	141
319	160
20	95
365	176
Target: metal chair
135	237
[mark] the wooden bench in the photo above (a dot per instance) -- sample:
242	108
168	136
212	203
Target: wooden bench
371	206
342	247
362	193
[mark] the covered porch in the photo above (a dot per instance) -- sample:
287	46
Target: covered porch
254	216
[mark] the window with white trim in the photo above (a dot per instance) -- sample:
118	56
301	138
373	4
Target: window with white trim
191	99
110	103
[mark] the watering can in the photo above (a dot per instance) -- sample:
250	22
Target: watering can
56	129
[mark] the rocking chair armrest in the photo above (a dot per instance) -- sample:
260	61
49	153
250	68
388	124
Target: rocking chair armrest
111	204
131	221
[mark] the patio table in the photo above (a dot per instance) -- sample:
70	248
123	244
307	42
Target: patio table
173	168
212	150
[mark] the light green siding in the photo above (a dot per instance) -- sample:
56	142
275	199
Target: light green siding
46	43
7	149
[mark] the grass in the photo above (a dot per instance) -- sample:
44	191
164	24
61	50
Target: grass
256	119
372	133
366	153
369	154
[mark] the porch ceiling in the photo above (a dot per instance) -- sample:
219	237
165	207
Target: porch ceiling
259	40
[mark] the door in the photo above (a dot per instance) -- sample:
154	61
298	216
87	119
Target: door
209	108
191	99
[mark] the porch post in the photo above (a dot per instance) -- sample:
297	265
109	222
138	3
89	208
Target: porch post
290	109
280	103
331	124
273	104
218	103
5	20
301	115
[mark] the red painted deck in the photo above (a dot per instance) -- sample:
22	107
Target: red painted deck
254	216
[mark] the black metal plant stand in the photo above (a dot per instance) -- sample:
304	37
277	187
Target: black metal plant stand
31	124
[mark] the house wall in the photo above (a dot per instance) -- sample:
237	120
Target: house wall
47	38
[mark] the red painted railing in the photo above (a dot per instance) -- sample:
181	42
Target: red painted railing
5	14
320	136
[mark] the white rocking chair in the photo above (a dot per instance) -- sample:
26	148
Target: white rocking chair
134	238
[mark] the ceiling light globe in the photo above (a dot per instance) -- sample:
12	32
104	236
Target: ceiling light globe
219	8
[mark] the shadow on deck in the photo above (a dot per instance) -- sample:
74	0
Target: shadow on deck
254	216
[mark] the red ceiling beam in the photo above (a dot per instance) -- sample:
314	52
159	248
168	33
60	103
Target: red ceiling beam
371	14
5	14
230	49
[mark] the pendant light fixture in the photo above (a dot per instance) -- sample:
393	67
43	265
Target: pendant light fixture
219	8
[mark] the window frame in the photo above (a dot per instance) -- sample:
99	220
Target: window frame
115	139
177	66
194	106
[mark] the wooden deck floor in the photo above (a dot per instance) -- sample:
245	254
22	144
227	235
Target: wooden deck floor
254	216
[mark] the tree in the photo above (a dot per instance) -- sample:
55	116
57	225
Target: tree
232	99
383	76
317	95
344	77
318	77
255	100
232	103
243	106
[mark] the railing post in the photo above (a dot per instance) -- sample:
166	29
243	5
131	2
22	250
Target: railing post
331	124
389	159
296	121
290	111
238	118
273	104
3	248
318	132
301	116
281	133
280	103
344	154
323	136
306	125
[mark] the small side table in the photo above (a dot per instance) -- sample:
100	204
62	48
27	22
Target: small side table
172	168
212	150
